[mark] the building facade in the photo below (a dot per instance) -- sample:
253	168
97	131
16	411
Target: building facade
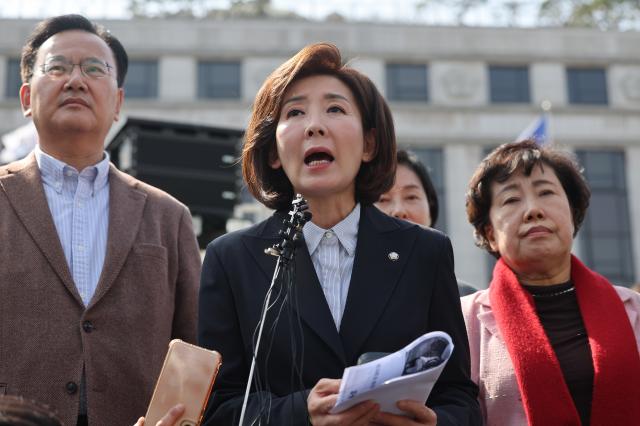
455	92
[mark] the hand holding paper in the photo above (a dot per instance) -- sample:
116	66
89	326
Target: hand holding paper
409	373
323	397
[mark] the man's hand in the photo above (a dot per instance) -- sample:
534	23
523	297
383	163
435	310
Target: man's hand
323	397
419	415
169	419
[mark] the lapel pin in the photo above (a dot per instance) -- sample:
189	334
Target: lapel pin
393	256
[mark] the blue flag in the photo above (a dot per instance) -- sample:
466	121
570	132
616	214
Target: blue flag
538	130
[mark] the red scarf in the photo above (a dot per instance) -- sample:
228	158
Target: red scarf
616	363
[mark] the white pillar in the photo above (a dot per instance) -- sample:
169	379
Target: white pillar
548	83
178	78
3	76
624	86
456	83
255	70
460	161
373	68
632	156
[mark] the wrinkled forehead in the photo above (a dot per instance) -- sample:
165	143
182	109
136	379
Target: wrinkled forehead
75	45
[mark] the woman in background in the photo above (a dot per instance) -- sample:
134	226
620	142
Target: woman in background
552	342
413	197
364	282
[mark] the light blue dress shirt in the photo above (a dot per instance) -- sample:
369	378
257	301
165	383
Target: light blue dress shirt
332	253
79	205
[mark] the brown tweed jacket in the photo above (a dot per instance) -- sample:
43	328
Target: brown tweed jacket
146	295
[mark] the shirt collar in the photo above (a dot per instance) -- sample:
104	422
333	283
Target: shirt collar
52	170
346	230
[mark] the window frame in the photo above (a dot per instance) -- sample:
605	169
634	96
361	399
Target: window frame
592	231
518	94
579	92
10	74
206	88
397	88
149	88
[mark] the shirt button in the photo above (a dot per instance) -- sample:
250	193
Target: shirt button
328	235
68	173
71	388
87	326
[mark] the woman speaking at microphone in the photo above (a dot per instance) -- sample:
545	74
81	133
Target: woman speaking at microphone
363	281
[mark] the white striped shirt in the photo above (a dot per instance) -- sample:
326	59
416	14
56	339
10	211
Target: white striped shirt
332	252
79	205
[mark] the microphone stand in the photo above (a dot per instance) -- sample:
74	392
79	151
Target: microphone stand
284	251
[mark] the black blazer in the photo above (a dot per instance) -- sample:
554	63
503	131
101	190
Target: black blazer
389	304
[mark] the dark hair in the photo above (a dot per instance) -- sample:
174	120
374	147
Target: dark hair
410	160
271	186
523	156
17	411
49	27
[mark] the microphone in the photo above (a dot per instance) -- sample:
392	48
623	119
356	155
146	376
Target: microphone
291	233
291	230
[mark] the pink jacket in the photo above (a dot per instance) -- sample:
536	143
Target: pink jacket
491	367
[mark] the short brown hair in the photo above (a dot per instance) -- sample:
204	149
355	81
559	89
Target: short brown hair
271	186
510	158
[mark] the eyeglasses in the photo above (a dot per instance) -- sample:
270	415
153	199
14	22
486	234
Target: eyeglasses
90	67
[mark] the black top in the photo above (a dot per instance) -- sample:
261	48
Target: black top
559	313
402	286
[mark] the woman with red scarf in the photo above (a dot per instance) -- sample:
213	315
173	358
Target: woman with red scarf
552	342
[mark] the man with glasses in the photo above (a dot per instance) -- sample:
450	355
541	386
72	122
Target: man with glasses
98	271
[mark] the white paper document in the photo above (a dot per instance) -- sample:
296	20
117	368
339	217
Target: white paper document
409	373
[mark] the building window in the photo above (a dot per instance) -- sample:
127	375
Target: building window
13	81
433	159
407	82
509	84
219	80
606	232
587	86
142	79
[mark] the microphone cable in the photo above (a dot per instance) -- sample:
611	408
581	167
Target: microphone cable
284	279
